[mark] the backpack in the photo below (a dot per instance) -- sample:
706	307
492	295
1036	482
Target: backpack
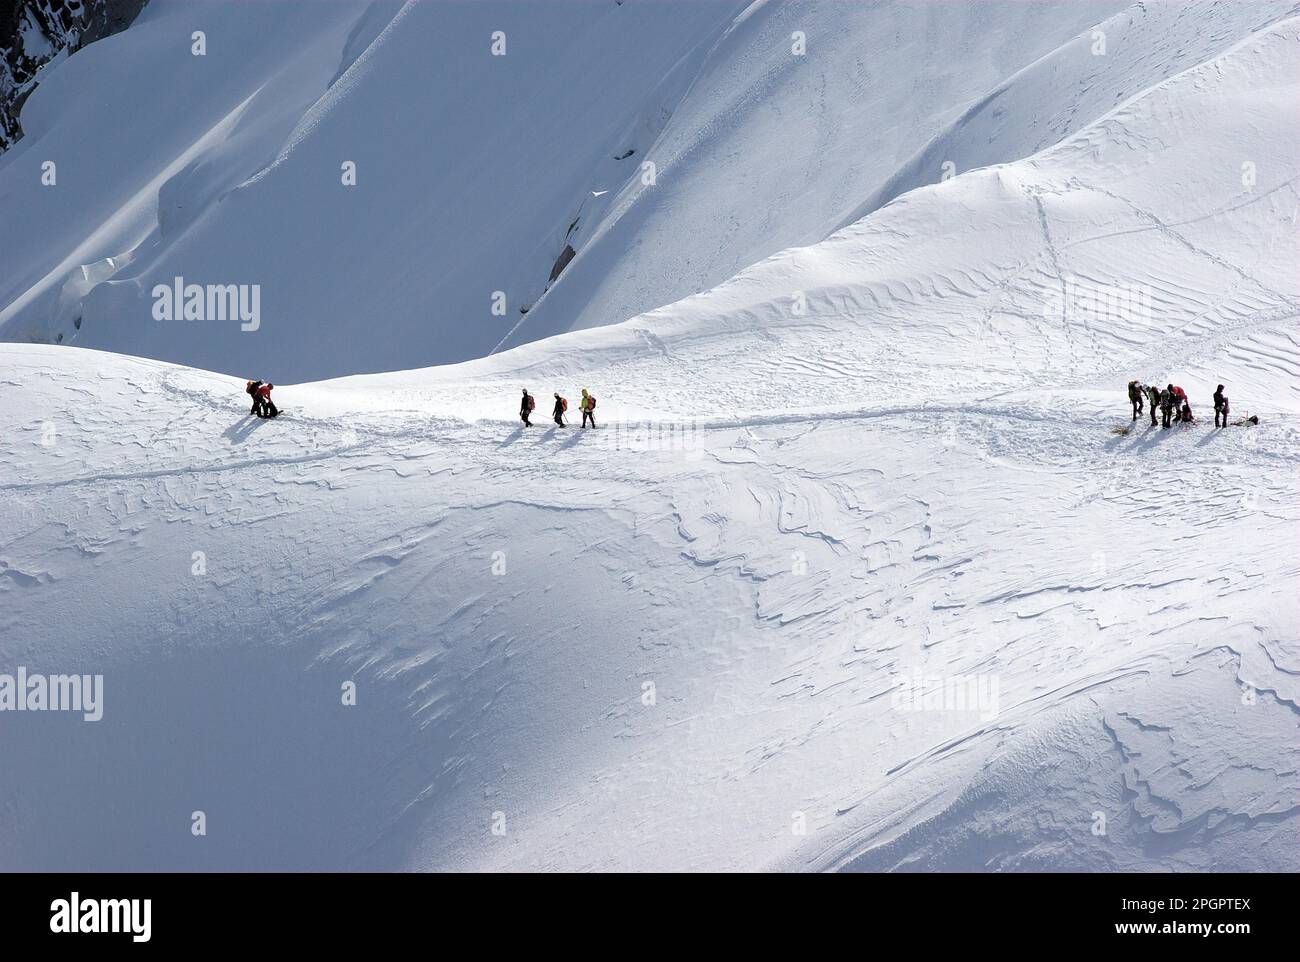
252	386
532	402
1134	390
591	402
564	404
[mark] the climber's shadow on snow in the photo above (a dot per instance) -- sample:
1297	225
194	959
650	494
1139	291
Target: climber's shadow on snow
239	431
518	433
1145	439
574	438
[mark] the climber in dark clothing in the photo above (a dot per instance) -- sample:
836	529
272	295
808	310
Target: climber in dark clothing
561	405
1153	396
526	406
1167	402
1220	408
1135	393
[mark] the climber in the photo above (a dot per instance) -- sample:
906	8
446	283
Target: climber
1220	407
1135	392
561	405
1153	397
526	405
588	406
263	406
1167	402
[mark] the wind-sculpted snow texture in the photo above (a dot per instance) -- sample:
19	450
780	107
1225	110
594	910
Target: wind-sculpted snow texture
854	575
475	173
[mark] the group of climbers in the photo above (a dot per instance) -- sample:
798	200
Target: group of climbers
264	407
587	406
1171	402
1173	405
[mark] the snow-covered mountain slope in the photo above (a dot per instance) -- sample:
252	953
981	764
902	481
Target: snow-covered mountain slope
718	631
35	32
487	186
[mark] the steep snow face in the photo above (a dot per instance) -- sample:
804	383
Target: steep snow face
195	133
504	198
855	573
34	32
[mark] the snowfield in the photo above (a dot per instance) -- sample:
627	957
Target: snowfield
856	572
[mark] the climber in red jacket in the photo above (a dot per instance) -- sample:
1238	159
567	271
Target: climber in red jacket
263	406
